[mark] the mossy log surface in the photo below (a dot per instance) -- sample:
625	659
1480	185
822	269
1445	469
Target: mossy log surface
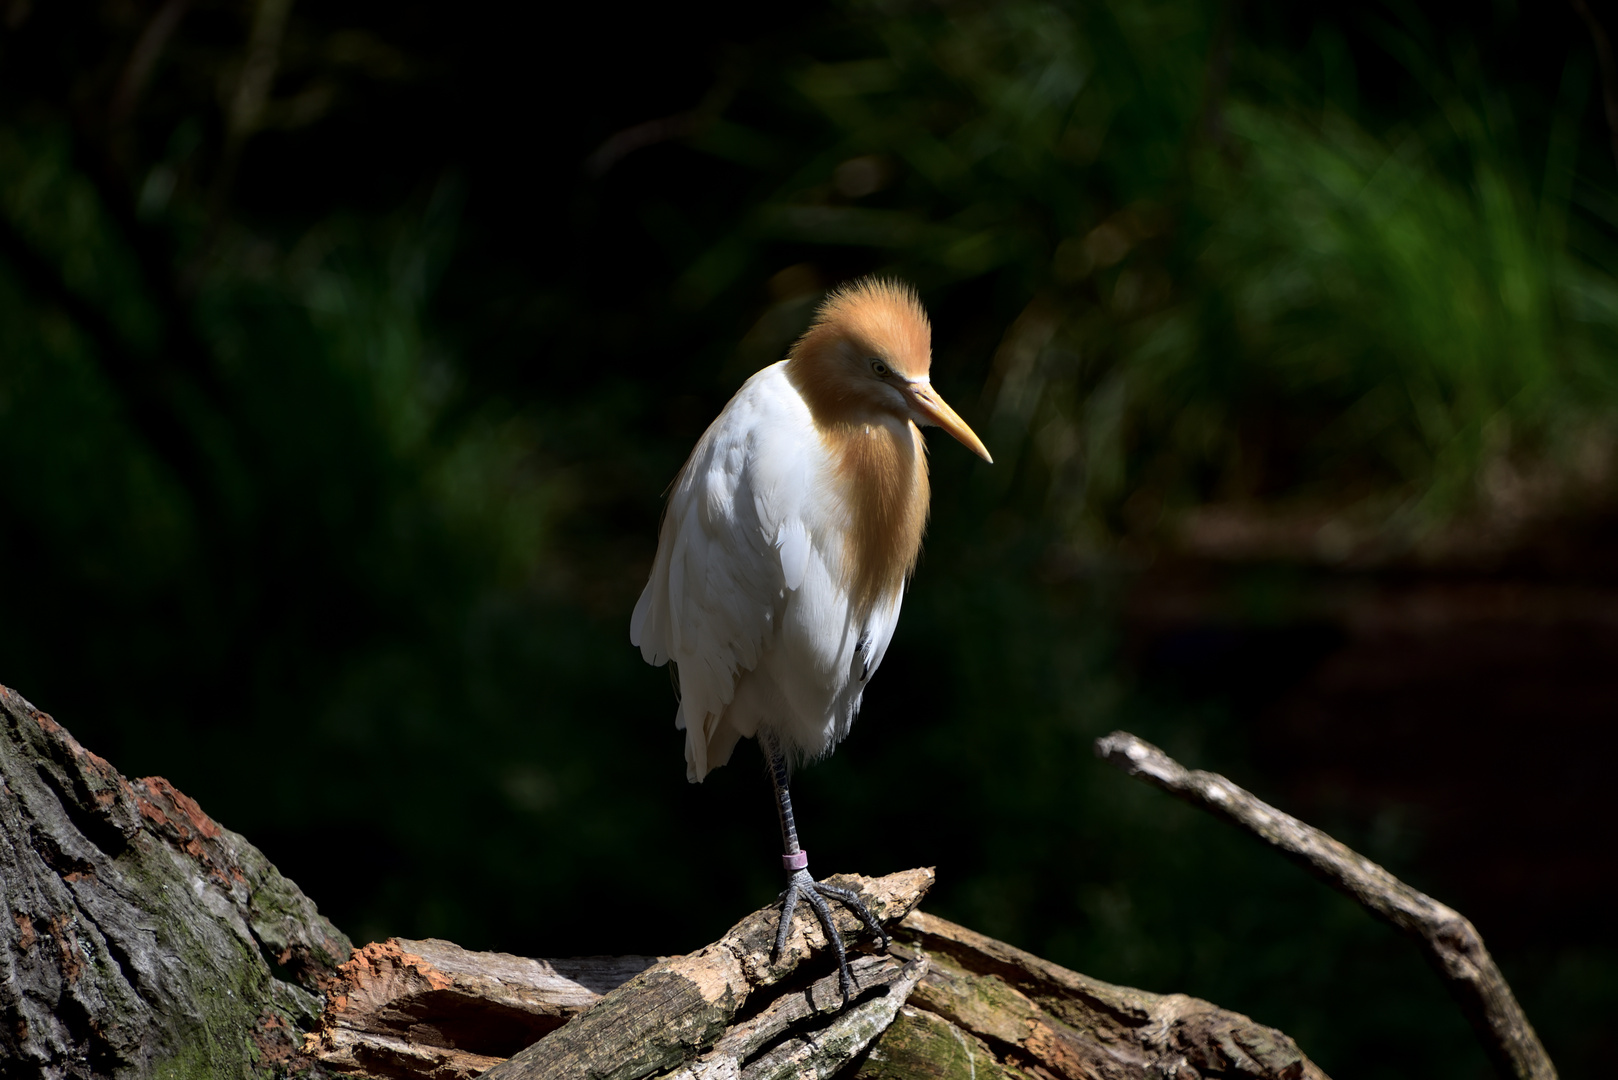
144	940
140	938
1010	1013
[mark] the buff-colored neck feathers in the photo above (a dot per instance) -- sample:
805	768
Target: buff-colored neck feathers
881	464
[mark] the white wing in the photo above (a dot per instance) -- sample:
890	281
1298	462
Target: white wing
733	545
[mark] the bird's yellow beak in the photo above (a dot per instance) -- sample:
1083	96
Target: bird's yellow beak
936	412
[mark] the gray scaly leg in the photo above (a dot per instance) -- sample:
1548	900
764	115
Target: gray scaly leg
799	884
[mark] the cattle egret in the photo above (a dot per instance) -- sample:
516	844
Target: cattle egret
788	539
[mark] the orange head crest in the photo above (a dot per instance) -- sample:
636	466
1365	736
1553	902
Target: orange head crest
870	347
878	318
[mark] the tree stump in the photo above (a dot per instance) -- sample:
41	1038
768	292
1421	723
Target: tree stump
140	938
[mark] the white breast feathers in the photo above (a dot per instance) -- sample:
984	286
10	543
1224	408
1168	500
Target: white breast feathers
749	593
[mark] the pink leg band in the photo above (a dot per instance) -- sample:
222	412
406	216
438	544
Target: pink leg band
796	861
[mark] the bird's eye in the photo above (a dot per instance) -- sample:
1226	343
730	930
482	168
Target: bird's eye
879	369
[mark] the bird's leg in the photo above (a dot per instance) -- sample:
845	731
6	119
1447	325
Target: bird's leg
799	884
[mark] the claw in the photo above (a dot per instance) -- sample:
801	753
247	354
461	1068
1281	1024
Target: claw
815	893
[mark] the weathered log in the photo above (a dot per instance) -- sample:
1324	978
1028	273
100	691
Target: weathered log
139	937
949	1003
671	1012
1451	943
1016	1013
812	1033
414	1009
145	940
404	1009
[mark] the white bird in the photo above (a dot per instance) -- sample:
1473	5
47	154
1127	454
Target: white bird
789	536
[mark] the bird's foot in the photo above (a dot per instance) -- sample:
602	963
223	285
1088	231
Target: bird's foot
816	894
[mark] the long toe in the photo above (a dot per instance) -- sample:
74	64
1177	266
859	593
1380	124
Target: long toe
845	978
789	905
851	900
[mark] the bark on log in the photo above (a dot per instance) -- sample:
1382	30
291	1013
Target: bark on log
139	938
1450	941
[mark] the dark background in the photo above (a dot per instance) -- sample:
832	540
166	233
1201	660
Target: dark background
346	349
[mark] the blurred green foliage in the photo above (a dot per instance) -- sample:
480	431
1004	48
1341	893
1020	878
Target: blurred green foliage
1230	291
331	441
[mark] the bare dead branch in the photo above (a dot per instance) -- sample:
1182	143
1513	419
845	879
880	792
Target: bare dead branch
1451	942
